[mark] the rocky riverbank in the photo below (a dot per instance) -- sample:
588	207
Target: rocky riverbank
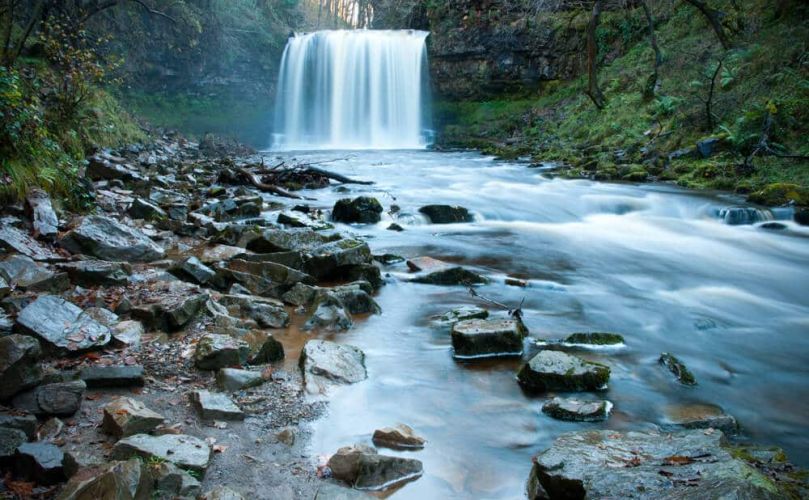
176	341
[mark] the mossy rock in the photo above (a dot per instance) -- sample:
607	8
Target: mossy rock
678	368
781	193
558	371
595	338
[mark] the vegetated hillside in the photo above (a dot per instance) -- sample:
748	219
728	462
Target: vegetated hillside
758	103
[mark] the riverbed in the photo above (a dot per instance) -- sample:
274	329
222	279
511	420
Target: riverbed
652	262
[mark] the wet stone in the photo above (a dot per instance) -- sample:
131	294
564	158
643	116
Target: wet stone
19	364
381	472
178	304
187	452
436	272
10	439
483	338
215	406
15	240
112	376
142	209
215	351
344	464
271	351
108	239
614	464
446	214
26	275
324	362
576	410
131	479
39	208
127	333
171	480
194	270
328	260
21	422
677	368
300	295
356	300
62	325
61	399
464	313
557	371
233	379
97	272
126	417
43	463
329	314
363	209
702	416
399	437
595	339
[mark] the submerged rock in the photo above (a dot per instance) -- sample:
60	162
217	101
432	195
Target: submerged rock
108	239
215	351
613	464
19	364
62	325
481	338
436	272
187	452
324	362
363	209
594	338
446	214
702	416
127	417
215	406
678	368
399	437
577	410
557	371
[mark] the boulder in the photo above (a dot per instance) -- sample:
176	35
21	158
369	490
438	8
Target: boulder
92	273
271	351
232	379
108	239
142	209
381	472
127	417
557	371
215	351
614	464
436	272
446	214
395	227
215	406
187	452
284	240
39	208
43	463
361	272
330	259
242	207
464	313
399	437
300	295
737	216
15	240
363	209
24	274
594	339
112	376
10	439
677	368
576	410
344	464
329	314
19	365
802	216
701	416
131	479
62	325
127	333
194	270
486	338
356	300
100	168
168	305
271	271
175	482
324	362
221	492
61	399
19	421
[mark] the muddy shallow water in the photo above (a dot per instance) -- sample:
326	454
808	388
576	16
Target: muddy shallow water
651	262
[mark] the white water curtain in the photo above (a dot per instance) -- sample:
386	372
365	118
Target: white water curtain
353	89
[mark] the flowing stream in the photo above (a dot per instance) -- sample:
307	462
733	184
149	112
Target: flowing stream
353	89
652	262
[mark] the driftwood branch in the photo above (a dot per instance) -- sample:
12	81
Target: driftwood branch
515	313
267	187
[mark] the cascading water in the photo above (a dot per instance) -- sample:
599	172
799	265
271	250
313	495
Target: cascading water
362	89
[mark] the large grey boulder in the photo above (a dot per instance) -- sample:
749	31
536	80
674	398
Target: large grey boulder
446	214
43	463
26	275
61	399
39	208
19	364
97	272
215	351
557	371
323	362
613	464
108	239
484	338
18	241
187	452
126	417
332	258
168	305
363	209
131	479
62	325
215	406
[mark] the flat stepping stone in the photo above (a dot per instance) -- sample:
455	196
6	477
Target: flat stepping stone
112	376
323	362
233	379
187	452
127	417
216	406
576	410
558	371
62	325
399	437
481	338
701	416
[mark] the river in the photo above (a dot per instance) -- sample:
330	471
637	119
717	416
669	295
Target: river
651	262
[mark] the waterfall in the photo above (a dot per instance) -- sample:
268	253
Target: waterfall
353	89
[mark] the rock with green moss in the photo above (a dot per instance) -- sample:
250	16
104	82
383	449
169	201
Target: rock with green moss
215	351
558	371
781	193
595	338
577	410
464	313
363	209
446	214
678	368
327	259
613	464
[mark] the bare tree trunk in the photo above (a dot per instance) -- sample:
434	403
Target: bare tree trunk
36	18
709	102
651	84
593	91
714	18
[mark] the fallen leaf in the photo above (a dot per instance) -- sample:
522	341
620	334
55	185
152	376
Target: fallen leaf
219	448
677	460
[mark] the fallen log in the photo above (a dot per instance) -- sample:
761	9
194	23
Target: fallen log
334	176
269	188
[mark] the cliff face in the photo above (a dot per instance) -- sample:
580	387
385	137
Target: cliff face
484	48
